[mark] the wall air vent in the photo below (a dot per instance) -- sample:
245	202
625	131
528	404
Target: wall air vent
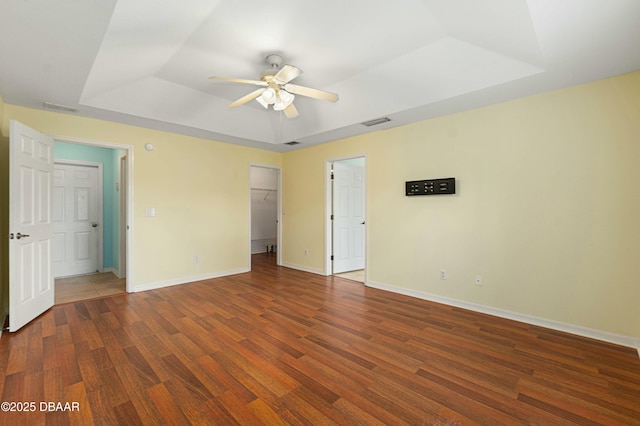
292	143
58	107
376	121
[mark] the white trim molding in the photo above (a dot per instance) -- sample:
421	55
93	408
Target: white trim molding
115	271
604	336
305	269
187	280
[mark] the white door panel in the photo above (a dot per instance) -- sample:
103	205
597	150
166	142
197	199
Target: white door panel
348	223
30	275
77	205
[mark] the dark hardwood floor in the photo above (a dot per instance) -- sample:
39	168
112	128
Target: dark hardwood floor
279	346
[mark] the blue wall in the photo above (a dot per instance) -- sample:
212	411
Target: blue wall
110	167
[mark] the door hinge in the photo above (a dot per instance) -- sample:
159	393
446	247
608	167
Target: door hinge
331	217
331	257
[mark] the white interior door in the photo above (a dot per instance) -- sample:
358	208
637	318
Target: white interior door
31	290
348	217
76	230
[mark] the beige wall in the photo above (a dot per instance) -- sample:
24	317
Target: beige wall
547	208
198	187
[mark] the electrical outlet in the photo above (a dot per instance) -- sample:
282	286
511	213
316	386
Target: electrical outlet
196	259
306	252
443	274
478	280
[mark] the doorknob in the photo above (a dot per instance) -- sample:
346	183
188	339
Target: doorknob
362	223
19	235
95	225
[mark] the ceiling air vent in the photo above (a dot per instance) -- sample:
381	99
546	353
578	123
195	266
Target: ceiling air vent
58	107
376	121
292	143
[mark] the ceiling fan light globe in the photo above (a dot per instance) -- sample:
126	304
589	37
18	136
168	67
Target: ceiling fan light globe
279	105
286	97
268	95
262	102
284	100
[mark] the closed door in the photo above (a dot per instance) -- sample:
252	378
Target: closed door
348	217
31	290
76	229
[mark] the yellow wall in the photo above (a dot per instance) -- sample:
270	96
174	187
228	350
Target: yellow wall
547	206
198	187
547	209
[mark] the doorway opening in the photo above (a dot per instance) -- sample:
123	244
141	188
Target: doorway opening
108	221
265	206
346	212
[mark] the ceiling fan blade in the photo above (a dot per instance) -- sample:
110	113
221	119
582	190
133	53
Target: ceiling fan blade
243	100
312	93
291	111
240	80
286	74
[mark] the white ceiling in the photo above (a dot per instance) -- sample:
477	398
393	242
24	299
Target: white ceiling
147	62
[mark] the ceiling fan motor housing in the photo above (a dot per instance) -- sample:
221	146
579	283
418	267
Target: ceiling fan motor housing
274	61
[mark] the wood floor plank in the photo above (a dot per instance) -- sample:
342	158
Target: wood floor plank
166	405
280	346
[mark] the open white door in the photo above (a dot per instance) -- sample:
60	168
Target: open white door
31	290
348	217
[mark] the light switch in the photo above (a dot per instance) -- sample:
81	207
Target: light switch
150	212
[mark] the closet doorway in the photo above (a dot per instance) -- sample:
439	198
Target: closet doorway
265	212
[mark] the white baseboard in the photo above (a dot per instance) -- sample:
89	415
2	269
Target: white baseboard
304	268
186	280
528	319
113	270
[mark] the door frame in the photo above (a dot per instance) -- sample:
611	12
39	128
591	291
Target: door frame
123	175
100	197
278	214
328	240
129	225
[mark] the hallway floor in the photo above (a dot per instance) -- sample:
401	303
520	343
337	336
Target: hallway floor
90	286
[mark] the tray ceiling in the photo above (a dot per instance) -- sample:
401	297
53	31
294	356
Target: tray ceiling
147	62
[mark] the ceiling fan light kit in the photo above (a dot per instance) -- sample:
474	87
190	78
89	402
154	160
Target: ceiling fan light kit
277	90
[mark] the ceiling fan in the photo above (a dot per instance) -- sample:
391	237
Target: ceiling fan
276	89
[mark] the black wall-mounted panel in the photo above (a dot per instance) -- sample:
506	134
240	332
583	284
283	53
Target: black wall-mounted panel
431	187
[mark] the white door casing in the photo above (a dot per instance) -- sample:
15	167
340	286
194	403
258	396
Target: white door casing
31	288
348	217
122	218
77	207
